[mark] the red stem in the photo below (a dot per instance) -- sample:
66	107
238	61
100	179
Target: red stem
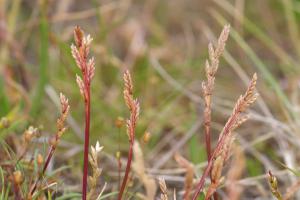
208	142
207	121
119	160
200	185
86	142
220	144
208	151
128	166
216	196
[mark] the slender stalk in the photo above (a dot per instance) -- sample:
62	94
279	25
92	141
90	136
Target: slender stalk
134	109
200	185
80	52
119	159
49	156
211	67
127	170
232	123
86	144
207	121
54	141
219	146
216	196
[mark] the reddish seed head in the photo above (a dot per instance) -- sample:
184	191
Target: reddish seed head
78	36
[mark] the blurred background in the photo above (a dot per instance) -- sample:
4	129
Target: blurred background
164	44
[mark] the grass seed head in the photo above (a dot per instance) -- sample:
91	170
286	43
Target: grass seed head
163	188
274	186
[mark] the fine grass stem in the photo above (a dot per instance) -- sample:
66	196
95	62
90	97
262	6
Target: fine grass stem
80	52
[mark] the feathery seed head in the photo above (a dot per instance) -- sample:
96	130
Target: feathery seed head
217	168
87	40
97	148
77	57
128	82
64	104
222	40
132	104
80	85
211	51
163	188
91	68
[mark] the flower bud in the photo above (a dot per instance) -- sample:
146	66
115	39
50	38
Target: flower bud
146	137
18	178
119	122
118	155
4	122
30	133
40	159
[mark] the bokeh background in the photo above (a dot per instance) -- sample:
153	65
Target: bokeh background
164	44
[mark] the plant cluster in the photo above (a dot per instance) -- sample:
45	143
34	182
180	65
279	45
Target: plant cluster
27	175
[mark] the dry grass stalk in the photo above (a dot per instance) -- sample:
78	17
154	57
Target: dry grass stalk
216	178
220	154
163	188
188	183
134	108
80	52
236	118
65	107
235	172
138	166
96	170
174	194
274	186
211	67
119	122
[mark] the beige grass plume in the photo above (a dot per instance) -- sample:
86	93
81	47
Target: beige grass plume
163	188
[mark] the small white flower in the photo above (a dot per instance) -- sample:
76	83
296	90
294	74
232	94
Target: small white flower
97	148
87	40
31	130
